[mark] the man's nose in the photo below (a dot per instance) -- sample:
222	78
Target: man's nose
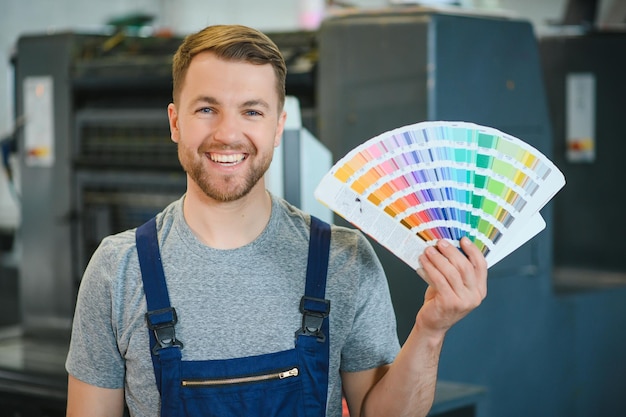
226	129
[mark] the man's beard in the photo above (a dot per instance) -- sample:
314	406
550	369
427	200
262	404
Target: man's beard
220	187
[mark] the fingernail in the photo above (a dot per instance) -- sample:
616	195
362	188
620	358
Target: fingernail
443	243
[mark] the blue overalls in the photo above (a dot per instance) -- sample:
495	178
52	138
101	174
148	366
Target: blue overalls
288	383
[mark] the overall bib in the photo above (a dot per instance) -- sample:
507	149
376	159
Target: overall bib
287	383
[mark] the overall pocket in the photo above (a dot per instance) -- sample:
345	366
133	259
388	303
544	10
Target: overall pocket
240	387
240	380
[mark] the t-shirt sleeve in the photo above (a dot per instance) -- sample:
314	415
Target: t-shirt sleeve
373	340
93	355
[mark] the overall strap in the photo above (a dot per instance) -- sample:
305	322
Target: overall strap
161	316
313	306
319	247
313	338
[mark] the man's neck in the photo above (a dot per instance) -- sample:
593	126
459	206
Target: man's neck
227	225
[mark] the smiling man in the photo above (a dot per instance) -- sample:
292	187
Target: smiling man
233	302
240	111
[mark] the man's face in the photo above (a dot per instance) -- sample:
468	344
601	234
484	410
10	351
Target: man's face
226	124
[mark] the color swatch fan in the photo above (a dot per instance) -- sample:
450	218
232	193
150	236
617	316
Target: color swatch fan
411	186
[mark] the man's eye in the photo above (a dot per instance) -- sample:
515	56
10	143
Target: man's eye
253	113
205	110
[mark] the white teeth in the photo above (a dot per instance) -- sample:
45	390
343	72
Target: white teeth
227	159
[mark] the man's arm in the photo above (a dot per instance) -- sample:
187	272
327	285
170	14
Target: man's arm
88	400
456	285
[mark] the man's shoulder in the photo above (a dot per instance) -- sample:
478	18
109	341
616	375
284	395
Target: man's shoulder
114	248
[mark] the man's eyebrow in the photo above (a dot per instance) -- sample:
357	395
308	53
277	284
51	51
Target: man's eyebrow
255	103
206	99
246	104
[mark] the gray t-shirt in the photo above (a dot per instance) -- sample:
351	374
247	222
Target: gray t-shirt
230	303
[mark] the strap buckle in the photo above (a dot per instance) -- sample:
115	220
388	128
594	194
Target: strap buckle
314	311
162	322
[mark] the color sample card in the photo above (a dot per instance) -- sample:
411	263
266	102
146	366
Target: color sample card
411	186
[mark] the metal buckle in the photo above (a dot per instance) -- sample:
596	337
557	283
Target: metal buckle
314	311
164	331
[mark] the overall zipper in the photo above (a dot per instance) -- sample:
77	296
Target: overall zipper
240	380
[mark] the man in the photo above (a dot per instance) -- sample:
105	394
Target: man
235	261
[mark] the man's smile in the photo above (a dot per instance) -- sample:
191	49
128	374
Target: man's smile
228	159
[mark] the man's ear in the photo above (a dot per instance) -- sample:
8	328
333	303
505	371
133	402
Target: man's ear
280	128
172	115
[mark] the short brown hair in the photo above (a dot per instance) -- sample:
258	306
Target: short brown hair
230	42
